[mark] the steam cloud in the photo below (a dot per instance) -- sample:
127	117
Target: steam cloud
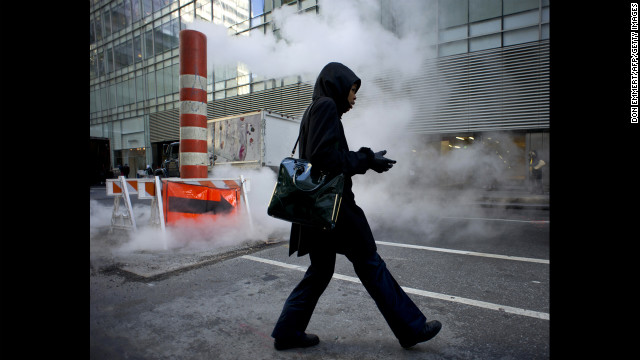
349	32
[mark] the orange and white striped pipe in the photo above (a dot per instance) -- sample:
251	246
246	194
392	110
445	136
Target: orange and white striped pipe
193	105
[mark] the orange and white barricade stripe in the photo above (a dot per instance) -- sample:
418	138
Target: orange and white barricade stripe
115	186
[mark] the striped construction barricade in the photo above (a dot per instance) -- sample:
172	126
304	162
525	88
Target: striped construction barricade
122	216
121	189
149	188
176	199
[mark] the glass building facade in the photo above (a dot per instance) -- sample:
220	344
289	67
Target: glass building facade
474	25
493	56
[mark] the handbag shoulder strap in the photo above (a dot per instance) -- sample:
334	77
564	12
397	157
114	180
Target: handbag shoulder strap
293	151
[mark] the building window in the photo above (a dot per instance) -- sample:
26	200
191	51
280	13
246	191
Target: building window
485	27
204	10
147	8
98	27
151	84
257	7
521	20
452	48
103	103
160	4
484	9
484	42
109	60
544	31
515	6
160	83
92	33
166	36
453	13
112	96
106	15
489	24
137	49
230	12
139	89
520	36
100	69
454	33
119	18
123	55
93	64
148	44
136	13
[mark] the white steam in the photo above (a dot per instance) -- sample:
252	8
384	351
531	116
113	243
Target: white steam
347	32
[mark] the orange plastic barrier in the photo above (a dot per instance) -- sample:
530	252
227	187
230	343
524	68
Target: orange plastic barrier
198	200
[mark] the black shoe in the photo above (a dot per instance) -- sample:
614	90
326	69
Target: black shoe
302	340
430	330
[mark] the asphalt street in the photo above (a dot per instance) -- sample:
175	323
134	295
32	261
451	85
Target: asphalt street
483	274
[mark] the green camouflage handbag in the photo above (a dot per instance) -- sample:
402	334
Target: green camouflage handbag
305	198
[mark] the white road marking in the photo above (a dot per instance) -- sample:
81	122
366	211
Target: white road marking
463	252
490	219
457	299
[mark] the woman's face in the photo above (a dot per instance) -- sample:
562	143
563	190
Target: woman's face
352	96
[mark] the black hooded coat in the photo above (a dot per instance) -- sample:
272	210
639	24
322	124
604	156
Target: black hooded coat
323	143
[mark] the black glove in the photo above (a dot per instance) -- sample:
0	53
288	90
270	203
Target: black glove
380	163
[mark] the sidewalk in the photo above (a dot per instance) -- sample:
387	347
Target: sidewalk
153	262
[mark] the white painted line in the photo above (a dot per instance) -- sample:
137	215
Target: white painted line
490	219
276	263
463	252
457	299
482	304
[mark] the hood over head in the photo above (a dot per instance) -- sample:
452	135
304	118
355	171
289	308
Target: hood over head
335	81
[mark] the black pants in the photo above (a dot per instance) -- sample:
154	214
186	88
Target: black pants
402	315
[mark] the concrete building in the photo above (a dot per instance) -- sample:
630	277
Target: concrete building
486	80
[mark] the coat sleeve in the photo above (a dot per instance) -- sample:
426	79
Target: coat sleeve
325	135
